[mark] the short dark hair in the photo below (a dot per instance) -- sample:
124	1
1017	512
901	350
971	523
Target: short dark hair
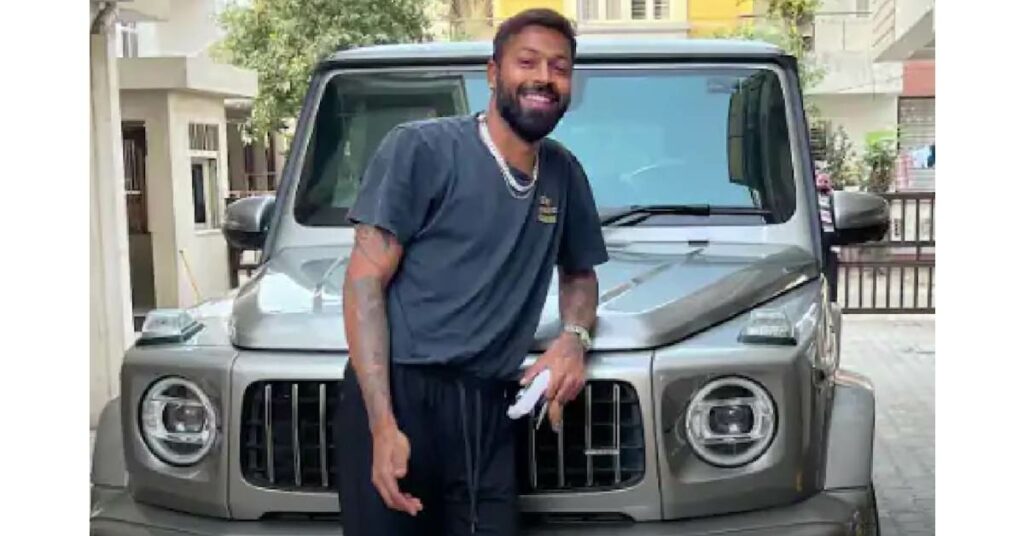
545	17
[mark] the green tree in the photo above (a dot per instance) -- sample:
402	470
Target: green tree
879	163
465	20
797	11
282	40
841	160
782	25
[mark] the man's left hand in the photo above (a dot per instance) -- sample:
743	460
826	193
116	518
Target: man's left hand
566	360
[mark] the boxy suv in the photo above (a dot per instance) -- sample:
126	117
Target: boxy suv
715	402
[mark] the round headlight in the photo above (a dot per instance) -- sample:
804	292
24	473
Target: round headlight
729	422
178	421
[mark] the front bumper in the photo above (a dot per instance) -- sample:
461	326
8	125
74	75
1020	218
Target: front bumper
835	513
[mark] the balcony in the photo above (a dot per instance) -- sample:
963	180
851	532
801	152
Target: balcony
903	29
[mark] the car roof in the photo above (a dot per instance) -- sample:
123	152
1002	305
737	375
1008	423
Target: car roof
587	49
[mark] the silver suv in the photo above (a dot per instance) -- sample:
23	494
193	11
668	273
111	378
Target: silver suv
715	401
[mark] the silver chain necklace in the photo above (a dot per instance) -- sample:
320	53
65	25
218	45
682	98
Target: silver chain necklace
517	190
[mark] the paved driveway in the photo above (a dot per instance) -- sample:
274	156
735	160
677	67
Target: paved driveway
898	353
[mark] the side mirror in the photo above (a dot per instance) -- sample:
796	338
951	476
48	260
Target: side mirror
858	217
247	222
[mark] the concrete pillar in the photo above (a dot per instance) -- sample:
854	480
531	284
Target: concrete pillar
161	196
110	319
153	109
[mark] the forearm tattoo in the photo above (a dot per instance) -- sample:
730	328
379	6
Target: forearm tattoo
366	319
577	298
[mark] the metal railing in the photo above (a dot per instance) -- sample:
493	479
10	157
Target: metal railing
897	274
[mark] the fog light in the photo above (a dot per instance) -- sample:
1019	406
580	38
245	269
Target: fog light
168	326
768	326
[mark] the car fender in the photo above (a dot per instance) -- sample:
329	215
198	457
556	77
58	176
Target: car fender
851	433
108	466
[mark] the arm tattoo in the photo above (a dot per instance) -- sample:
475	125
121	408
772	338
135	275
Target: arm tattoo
366	319
371	355
577	298
373	243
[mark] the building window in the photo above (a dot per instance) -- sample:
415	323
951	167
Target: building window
660	9
205	202
639	9
204	147
128	35
617	10
203	137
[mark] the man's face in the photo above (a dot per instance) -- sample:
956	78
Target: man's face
533	81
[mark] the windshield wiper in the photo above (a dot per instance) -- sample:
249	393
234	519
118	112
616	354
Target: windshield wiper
646	211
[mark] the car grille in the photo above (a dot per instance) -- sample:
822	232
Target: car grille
287	439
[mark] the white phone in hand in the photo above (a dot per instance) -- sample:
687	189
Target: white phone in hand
528	396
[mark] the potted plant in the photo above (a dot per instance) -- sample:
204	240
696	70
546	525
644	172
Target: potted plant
879	163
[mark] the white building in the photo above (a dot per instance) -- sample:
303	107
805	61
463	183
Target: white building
904	31
857	92
160	169
879	56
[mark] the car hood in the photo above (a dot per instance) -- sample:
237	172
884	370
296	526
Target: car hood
650	294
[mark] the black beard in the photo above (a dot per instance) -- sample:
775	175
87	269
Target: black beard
529	125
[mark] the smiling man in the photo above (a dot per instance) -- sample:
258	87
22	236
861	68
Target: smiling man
459	224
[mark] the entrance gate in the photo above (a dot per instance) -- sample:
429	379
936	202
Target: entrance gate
895	275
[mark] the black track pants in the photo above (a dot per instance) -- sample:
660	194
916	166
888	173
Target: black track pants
462	464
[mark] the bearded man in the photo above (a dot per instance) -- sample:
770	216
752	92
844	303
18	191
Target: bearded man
459	224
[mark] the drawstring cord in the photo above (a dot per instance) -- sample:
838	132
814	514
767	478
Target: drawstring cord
472	469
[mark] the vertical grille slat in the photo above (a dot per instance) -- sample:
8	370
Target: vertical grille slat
296	448
561	455
322	429
268	430
616	408
531	449
589	432
287	443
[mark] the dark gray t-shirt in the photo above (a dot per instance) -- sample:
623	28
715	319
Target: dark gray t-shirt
478	262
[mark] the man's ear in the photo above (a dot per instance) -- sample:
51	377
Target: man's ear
492	73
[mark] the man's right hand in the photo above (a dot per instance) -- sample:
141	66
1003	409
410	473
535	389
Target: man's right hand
373	263
390	463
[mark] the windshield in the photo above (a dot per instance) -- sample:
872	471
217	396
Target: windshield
687	136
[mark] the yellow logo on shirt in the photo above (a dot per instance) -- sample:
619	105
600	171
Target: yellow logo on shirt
547	212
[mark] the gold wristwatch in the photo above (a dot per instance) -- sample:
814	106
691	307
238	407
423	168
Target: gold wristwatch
582	333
